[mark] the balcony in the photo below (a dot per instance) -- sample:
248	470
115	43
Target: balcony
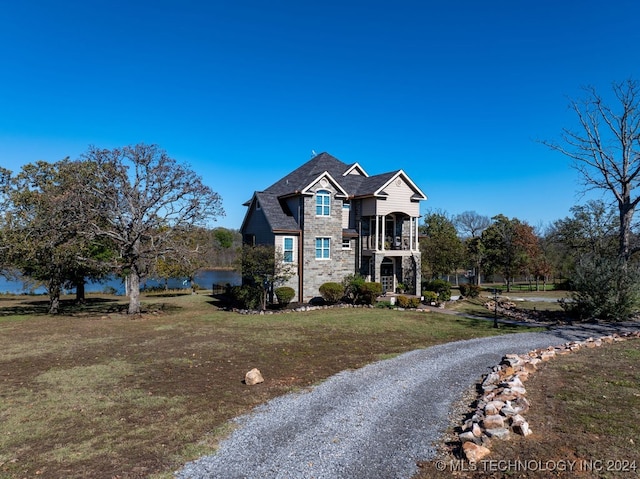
390	244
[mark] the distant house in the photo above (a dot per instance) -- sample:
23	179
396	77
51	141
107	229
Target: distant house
330	219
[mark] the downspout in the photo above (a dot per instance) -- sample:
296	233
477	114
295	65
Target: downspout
300	255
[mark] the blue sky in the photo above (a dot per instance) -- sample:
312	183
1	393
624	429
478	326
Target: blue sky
455	93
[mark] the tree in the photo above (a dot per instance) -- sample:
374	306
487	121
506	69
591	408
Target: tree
508	243
41	235
591	230
441	248
606	152
470	226
5	188
187	252
147	198
226	248
263	268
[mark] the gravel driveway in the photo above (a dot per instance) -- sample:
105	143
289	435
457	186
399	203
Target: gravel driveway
376	421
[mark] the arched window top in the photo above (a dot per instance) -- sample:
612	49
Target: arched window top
323	203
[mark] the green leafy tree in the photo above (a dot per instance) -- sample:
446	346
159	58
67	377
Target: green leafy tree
42	232
263	268
441	249
508	245
148	198
592	229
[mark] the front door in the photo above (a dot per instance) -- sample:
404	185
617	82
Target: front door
387	276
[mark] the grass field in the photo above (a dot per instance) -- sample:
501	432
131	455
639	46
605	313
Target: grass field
96	393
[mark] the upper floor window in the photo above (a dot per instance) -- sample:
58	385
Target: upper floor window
323	248
287	250
323	203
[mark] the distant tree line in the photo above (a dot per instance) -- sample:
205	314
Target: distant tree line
133	212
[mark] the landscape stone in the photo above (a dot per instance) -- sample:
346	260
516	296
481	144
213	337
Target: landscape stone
493	422
475	452
253	377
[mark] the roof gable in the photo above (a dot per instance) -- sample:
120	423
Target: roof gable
401	176
308	190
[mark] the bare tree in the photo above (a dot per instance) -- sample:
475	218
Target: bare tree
471	224
146	198
606	151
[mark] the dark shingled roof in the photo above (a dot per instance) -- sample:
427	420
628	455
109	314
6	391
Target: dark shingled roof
354	185
275	209
277	214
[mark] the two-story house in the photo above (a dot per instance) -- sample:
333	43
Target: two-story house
329	220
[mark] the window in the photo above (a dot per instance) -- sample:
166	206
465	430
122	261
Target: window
346	204
323	203
323	248
346	243
287	250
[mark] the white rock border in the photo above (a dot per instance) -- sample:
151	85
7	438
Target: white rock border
500	409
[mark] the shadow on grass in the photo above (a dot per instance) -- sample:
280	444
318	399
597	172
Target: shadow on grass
40	307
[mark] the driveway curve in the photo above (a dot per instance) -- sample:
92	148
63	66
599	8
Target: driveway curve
380	419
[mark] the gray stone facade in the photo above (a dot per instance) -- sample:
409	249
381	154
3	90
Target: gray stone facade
360	205
341	263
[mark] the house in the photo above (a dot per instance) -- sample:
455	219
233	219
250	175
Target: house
330	220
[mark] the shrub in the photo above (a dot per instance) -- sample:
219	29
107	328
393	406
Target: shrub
474	291
247	297
369	292
332	292
430	296
402	301
441	287
605	288
384	304
413	302
352	284
470	290
284	294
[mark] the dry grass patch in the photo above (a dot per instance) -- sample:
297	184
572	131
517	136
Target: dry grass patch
96	393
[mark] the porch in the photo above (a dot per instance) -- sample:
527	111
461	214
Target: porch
389	233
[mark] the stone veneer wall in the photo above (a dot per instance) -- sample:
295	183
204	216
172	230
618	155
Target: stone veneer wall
342	262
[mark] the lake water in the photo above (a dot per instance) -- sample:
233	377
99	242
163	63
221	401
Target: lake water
205	279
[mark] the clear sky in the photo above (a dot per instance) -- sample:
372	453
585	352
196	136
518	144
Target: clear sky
456	93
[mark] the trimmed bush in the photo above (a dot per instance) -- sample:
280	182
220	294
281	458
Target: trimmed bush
402	301
441	287
332	292
369	292
413	302
284	294
430	297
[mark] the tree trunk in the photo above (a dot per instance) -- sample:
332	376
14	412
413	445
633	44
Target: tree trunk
626	218
54	297
133	281
80	297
